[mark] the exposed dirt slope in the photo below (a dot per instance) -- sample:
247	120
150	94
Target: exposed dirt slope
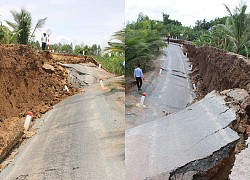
219	69
27	83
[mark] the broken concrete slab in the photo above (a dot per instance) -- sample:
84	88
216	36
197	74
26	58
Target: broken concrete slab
79	75
156	149
241	168
79	79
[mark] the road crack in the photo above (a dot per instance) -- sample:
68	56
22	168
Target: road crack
22	177
51	169
184	77
207	137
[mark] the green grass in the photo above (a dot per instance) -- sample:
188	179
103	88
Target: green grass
113	64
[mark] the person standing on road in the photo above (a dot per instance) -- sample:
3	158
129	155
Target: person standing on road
138	75
168	38
44	41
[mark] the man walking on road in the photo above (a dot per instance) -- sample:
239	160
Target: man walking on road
138	75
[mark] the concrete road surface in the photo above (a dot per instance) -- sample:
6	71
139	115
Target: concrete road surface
173	91
81	138
167	93
154	149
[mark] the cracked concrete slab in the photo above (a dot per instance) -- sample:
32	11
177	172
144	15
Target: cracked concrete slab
194	133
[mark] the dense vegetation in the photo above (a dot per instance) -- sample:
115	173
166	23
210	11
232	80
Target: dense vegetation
141	41
231	33
143	37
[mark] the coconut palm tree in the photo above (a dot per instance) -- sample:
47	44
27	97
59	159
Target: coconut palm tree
119	44
23	26
237	27
142	46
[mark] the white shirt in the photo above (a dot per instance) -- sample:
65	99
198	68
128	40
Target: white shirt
44	39
138	73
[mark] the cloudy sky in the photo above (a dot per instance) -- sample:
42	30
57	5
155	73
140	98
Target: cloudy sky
76	21
94	21
185	11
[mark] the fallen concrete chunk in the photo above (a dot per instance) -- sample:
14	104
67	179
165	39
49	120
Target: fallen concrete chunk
156	149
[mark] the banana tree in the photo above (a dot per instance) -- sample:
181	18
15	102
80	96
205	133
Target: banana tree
7	36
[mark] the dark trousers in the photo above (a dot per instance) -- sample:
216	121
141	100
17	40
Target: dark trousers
138	82
43	46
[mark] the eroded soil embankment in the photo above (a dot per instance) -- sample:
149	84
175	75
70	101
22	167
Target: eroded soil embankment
220	70
26	85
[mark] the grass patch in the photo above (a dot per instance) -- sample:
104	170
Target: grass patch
113	64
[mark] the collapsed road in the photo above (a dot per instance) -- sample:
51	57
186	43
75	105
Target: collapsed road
82	137
198	142
169	92
81	75
183	144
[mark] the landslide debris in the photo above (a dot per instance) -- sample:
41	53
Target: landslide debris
29	81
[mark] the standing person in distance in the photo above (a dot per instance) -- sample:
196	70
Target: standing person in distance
138	75
44	41
168	38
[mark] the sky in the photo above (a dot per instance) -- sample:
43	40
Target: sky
185	11
72	21
95	21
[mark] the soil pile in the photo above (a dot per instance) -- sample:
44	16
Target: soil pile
28	82
72	59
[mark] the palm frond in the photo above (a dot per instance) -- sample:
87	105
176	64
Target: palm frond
40	23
